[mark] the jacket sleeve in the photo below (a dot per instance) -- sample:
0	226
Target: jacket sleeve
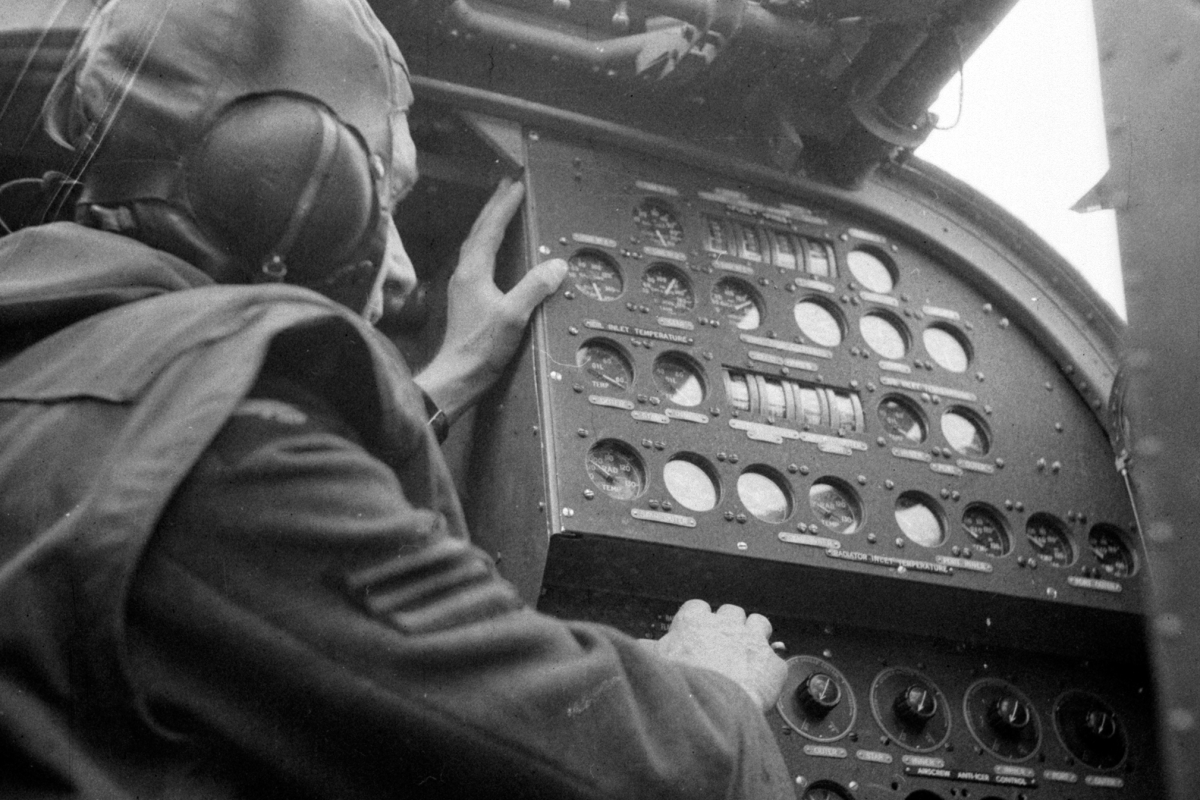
297	619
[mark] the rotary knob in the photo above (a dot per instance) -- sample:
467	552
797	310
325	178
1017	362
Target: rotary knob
916	705
818	694
1101	728
1009	716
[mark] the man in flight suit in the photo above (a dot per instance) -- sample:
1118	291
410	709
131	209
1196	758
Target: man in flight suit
232	563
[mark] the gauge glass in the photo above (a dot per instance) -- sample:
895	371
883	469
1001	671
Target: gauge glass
749	245
764	494
692	482
679	379
884	334
774	398
596	275
966	432
1050	540
818	257
809	406
670	288
1110	550
737	390
716	239
986	528
616	469
919	519
658	219
902	420
824	790
783	250
605	364
835	505
819	322
738	302
872	269
947	347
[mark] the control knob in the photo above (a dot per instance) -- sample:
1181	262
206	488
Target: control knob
1101	728
916	705
1009	716
818	694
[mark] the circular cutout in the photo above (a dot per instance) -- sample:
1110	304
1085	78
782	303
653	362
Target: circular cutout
920	519
605	364
826	790
738	301
911	709
1090	730
669	288
817	700
949	348
902	420
616	469
1049	538
836	505
885	334
765	494
1111	550
871	268
680	379
657	218
1002	719
820	321
692	481
987	529
966	431
596	275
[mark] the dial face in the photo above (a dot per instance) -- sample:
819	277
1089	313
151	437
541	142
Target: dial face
911	709
872	269
947	347
902	421
966	432
669	288
679	379
738	302
885	335
616	469
835	505
764	494
596	275
1050	540
817	700
1002	719
657	219
691	481
919	519
605	365
1090	730
819	322
986	528
825	790
1115	557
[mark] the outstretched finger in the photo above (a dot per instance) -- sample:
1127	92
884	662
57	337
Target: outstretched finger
760	624
732	613
479	248
538	284
692	609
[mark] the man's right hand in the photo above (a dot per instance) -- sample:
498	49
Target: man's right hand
729	642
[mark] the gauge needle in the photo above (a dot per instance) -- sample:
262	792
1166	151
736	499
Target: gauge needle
673	287
596	289
609	472
744	304
614	381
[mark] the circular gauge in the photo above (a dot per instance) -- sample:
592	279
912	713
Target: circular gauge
1050	540
1111	551
872	269
885	334
669	287
920	519
835	505
826	790
902	420
738	301
679	379
817	701
1002	719
911	709
692	481
966	431
1090	730
986	528
820	322
596	275
605	364
616	469
947	347
658	220
765	494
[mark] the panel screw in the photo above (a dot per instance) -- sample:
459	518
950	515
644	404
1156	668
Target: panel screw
741	518
871	538
582	433
588	494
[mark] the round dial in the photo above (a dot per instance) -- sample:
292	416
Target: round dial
1002	719
1090	730
765	494
669	287
986	528
596	275
820	322
885	334
1115	557
679	379
902	420
659	221
920	519
911	709
966	432
605	364
947	347
616	469
872	269
1050	540
817	700
835	505
825	790
738	302
692	481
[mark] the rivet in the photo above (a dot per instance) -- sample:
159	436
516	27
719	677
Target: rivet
666	504
582	433
578	387
652	503
889	484
872	538
728	516
733	458
544	250
569	294
1004	323
741	518
1020	506
1000	463
743	546
792	468
945	493
862	480
588	494
1056	467
881	441
803	469
899	542
956	496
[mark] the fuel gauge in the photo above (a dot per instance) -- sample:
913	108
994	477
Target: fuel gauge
616	469
605	364
1050	540
738	301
